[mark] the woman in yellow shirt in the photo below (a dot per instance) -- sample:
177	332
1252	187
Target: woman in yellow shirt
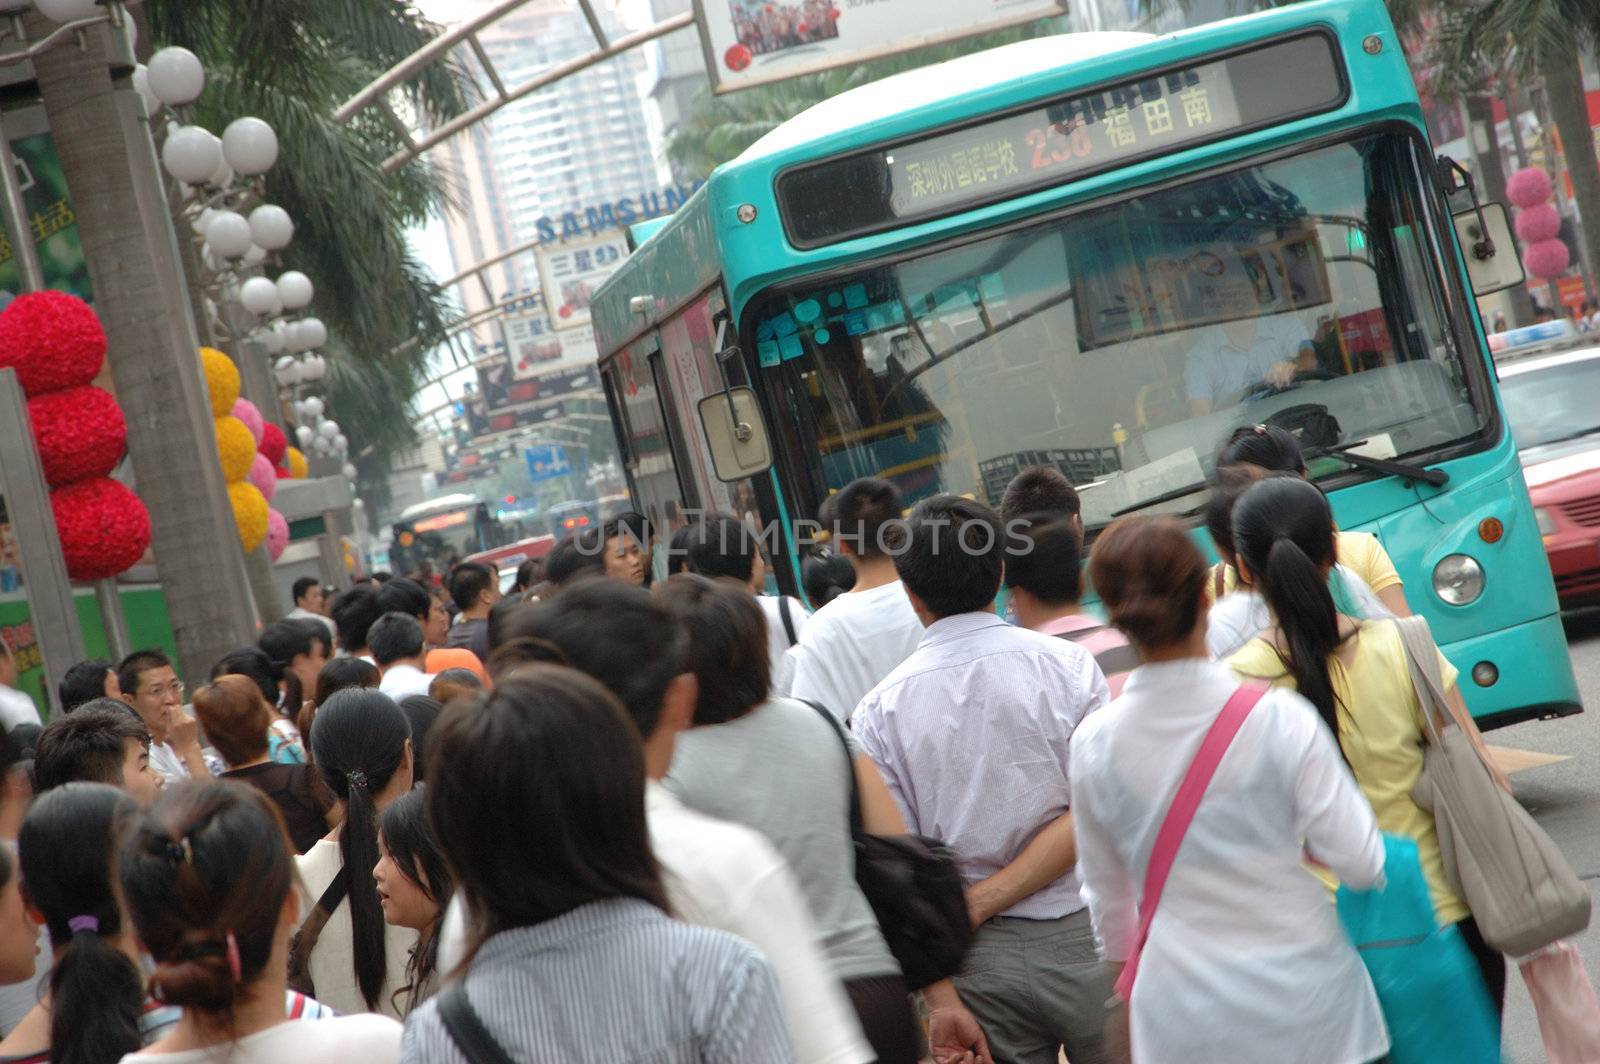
1353	672
1270	448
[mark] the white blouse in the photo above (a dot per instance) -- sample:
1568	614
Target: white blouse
1246	960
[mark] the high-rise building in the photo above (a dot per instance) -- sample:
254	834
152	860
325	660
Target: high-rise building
679	76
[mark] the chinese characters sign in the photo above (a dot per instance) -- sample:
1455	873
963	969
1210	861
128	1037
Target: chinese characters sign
571	273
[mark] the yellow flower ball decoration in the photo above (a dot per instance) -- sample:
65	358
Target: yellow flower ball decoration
297	463
236	448
249	513
222	380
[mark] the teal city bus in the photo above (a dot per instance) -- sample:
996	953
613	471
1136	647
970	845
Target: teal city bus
1105	252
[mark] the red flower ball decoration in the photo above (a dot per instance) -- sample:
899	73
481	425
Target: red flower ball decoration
273	443
53	340
80	433
103	526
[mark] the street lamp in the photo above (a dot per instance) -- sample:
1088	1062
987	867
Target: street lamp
250	146
295	289
176	77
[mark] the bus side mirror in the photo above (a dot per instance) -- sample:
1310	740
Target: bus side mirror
736	434
1486	242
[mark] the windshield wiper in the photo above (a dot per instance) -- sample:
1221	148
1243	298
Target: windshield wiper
1166	496
1405	470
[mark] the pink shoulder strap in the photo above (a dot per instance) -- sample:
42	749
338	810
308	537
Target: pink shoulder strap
1181	813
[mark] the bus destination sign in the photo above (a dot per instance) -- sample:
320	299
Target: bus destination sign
1061	140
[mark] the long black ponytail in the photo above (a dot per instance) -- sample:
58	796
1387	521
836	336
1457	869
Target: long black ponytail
1283	531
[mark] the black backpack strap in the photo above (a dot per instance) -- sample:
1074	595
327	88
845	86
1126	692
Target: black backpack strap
849	763
334	895
465	1027
788	621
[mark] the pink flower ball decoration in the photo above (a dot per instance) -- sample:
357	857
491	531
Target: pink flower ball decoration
263	476
53	340
277	534
104	527
1540	222
273	442
246	411
1529	187
1546	259
80	433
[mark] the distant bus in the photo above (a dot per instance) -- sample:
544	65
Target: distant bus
574	516
442	532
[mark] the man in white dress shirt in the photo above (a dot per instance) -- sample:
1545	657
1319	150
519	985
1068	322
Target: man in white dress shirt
1229	359
395	641
311	604
972	733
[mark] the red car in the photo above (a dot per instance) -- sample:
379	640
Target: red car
1555	419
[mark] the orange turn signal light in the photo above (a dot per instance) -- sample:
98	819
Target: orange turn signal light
1490	530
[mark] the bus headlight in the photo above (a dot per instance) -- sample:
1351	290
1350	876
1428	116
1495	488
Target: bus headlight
1547	524
1458	579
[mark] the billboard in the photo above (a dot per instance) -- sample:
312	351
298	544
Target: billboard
570	274
753	42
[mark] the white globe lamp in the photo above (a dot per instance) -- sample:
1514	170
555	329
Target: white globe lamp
328	430
250	146
176	76
257	295
313	333
228	234
349	471
68	10
191	154
141	85
304	435
255	257
271	341
295	289
271	226
314	407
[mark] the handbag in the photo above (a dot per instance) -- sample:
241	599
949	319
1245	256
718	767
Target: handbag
1522	893
465	1028
1180	814
1429	987
306	936
914	888
1564	999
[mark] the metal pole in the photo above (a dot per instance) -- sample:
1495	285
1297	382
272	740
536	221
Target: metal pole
118	641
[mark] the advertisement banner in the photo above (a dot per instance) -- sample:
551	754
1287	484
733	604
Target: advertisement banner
753	42
570	274
50	215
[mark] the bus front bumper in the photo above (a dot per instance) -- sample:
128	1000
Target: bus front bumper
1534	677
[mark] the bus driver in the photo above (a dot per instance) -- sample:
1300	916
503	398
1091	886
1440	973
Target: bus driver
1233	356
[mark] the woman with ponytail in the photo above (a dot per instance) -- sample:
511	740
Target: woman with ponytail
1354	672
208	884
95	1009
362	747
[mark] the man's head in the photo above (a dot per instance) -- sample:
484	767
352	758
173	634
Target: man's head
625	639
308	594
1041	490
150	685
86	681
402	595
353	614
864	518
100	743
1043	562
575	557
953	557
474	588
236	719
395	637
627	550
721	546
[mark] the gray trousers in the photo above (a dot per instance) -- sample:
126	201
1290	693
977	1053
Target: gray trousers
1038	987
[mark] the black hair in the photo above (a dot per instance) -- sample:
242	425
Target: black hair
421	711
576	555
457	680
1045	558
1039	490
412	846
353	613
66	851
616	633
953	555
83	682
393	637
341	673
678	548
89	745
135	665
825	577
470	580
529	573
253	664
360	743
1266	446
1283	530
498	613
727	644
554	745
205	873
282	643
302	585
404	595
720	546
864	516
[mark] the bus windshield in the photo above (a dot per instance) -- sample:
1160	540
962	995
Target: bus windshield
442	538
1125	342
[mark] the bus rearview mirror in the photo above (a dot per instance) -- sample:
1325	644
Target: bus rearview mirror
736	434
1487	244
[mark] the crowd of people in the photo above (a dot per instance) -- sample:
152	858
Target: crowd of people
617	814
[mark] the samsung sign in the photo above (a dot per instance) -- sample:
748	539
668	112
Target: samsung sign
629	210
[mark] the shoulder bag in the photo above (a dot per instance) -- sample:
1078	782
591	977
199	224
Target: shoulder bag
1522	893
1180	814
305	938
465	1027
788	621
914	888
